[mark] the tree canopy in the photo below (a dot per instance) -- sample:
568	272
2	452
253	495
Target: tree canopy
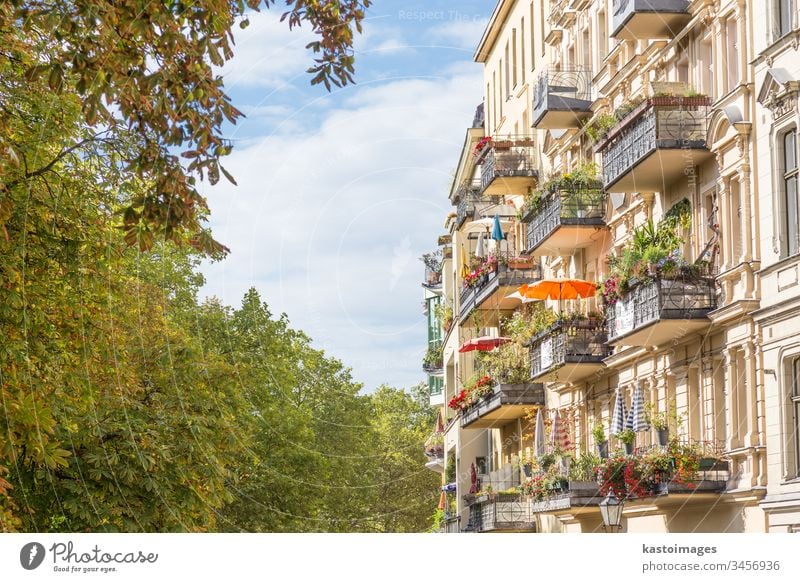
144	72
126	402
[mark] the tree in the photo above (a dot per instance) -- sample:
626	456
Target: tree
405	492
143	71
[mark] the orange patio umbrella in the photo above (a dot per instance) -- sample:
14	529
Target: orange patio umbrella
558	289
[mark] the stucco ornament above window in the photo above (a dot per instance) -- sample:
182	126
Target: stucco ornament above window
779	93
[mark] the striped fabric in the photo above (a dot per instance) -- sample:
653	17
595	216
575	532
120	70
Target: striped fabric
618	418
560	434
636	420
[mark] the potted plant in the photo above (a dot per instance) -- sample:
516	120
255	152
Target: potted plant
626	437
657	466
599	435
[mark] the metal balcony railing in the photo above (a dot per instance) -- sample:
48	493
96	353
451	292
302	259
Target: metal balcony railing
528	394
565	206
469	197
659	123
503	276
577	341
501	512
686	297
508	157
564	90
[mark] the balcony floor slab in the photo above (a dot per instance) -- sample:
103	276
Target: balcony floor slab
659	170
662	331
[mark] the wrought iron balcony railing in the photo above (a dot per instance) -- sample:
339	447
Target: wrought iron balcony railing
672	127
681	298
515	397
562	98
508	166
569	342
644	19
503	276
468	195
501	512
572	205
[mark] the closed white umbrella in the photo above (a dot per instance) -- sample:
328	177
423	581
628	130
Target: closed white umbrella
480	249
538	435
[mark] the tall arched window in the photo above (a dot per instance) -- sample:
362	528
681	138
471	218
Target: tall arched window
790	193
785	10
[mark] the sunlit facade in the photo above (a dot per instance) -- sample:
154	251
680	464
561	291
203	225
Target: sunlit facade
649	148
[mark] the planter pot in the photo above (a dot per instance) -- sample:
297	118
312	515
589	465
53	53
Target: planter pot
628	448
520	264
663	436
602	450
652	269
661	487
713	465
527	469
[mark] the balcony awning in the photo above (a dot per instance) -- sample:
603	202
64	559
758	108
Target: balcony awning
484	344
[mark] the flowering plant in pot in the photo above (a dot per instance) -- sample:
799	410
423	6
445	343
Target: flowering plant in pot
657	467
622	475
459	401
485	142
686	462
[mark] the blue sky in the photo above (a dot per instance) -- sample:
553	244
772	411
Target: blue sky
339	194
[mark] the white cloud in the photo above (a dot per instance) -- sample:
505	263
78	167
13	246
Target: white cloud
328	224
339	194
460	33
267	54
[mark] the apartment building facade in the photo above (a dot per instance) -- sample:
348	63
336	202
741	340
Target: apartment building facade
648	148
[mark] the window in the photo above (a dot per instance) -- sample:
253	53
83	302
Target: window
494	102
791	225
508	74
602	34
533	39
514	54
707	68
522	49
785	10
489	109
795	401
732	55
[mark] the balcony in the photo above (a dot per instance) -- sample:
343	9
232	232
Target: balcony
507	402
433	279
508	166
579	495
567	217
469	199
572	350
562	99
646	19
501	512
452	524
661	310
492	289
658	143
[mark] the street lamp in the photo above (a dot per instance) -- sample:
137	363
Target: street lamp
611	511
